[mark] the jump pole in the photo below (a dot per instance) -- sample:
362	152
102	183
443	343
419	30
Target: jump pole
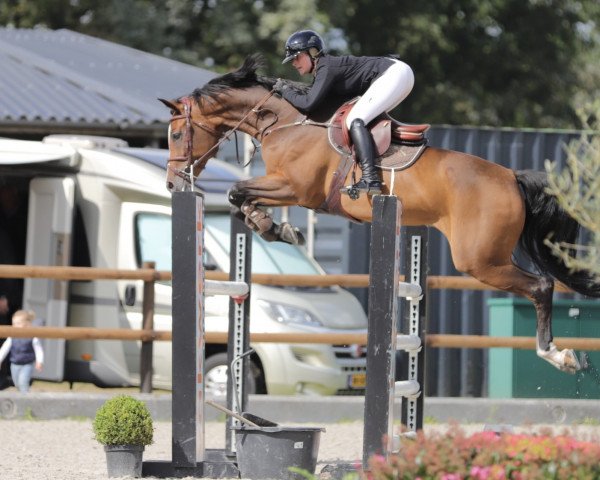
190	458
383	340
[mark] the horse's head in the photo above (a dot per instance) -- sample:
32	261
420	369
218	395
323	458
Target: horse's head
189	147
203	120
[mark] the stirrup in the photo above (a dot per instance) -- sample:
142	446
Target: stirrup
370	188
351	191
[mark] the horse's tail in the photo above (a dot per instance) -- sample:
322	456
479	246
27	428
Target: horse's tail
545	218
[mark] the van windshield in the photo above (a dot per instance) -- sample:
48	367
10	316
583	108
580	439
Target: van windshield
267	257
153	243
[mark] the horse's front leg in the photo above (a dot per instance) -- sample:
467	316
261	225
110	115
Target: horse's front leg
247	195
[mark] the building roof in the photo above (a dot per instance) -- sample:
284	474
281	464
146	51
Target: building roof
59	79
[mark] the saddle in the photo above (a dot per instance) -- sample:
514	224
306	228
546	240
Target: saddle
399	145
384	129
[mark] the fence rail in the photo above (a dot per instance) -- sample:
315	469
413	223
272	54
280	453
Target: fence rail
148	274
432	340
147	335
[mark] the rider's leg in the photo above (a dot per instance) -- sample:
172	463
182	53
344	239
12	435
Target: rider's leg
365	153
383	95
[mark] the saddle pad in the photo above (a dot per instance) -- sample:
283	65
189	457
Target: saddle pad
399	157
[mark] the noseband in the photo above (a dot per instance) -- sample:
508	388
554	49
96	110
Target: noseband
188	172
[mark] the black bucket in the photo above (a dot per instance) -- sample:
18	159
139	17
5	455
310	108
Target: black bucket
268	452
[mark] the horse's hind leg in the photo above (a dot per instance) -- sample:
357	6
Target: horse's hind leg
541	297
539	290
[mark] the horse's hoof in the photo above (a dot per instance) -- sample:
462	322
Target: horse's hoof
301	239
565	360
570	361
290	234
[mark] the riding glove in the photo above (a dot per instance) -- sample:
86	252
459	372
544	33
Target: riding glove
279	86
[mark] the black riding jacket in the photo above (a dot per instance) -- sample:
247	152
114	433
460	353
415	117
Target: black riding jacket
345	76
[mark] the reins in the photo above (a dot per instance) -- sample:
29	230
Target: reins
188	172
298	123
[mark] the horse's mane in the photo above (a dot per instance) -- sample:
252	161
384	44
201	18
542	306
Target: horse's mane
243	77
246	77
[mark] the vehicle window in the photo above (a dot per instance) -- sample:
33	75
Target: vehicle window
153	239
153	243
267	257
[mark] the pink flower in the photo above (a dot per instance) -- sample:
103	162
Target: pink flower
480	473
451	476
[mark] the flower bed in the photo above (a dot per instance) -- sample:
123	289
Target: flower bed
489	456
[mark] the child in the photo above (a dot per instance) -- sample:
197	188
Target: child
24	352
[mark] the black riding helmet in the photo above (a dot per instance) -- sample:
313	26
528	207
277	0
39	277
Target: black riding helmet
300	42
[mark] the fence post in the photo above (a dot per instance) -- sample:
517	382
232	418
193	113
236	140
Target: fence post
384	273
146	366
238	343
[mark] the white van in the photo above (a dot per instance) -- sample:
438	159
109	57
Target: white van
93	201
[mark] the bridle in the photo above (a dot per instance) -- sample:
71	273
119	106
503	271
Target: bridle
188	172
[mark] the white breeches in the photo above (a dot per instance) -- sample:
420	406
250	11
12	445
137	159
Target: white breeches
384	93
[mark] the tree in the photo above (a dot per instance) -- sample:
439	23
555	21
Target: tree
495	62
577	188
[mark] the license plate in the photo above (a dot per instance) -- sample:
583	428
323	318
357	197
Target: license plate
357	380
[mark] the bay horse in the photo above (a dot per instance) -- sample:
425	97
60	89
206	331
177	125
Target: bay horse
483	209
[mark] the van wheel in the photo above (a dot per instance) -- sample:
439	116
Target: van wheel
215	377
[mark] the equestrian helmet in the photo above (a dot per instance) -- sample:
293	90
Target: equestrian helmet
301	41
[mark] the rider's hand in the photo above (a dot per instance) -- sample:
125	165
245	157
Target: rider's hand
279	86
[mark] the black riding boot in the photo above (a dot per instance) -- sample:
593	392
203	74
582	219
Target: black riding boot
365	153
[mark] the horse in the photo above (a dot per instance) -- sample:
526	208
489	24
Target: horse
483	209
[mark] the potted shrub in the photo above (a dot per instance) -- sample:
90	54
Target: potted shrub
124	426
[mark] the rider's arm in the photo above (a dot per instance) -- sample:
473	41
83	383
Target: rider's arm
308	101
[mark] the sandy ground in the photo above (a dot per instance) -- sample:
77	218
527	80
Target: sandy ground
66	450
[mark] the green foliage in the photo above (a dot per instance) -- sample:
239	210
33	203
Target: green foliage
577	188
123	420
486	455
494	62
28	415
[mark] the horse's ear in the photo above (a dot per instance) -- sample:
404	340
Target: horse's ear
174	108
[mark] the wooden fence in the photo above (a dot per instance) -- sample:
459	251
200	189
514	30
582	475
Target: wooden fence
432	340
147	335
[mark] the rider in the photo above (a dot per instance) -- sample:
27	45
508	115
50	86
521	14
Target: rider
382	82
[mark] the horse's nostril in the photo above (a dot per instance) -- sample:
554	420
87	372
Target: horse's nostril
170	186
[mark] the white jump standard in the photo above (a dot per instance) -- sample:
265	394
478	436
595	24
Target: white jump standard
190	458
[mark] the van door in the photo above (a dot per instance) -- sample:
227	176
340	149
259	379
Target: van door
49	228
145	235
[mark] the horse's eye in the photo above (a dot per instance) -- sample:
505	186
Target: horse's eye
176	135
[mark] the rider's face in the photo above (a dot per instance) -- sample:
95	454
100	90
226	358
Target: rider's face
302	63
